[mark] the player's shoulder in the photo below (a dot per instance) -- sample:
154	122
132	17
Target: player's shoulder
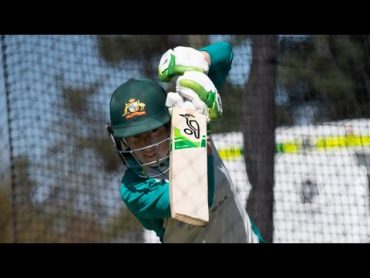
130	179
135	184
130	185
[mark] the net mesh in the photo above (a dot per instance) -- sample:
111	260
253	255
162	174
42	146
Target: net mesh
60	175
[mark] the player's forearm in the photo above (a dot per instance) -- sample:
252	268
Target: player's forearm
153	203
155	206
220	57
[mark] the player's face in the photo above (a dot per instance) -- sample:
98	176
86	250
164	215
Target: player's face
149	141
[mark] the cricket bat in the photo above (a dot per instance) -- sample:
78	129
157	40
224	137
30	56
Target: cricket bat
188	167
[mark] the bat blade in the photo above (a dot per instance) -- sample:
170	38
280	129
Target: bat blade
188	167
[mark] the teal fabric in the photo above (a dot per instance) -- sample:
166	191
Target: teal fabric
149	199
221	55
257	232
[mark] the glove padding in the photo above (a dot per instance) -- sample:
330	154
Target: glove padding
176	100
195	90
179	60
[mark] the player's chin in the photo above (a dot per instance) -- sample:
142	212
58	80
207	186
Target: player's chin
149	159
154	162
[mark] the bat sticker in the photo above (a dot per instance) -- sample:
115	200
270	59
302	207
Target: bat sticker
192	124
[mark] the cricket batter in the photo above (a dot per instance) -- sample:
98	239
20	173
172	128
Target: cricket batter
140	114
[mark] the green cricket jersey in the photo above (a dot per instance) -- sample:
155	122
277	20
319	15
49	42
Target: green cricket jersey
148	199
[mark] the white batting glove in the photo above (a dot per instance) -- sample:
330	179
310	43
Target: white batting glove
176	100
172	100
179	60
200	90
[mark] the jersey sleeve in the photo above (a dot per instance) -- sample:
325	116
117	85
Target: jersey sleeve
148	199
221	55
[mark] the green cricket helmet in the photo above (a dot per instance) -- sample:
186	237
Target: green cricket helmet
138	106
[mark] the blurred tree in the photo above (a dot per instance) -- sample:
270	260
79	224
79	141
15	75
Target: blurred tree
144	49
258	127
232	109
118	227
197	41
25	188
328	73
232	94
87	136
5	210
